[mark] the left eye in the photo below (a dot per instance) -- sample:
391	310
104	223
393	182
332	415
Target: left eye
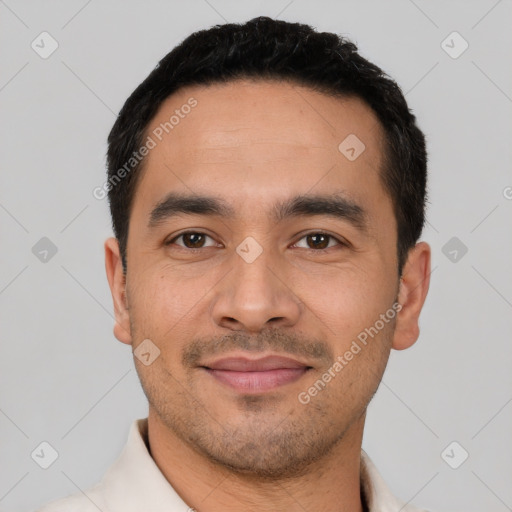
319	241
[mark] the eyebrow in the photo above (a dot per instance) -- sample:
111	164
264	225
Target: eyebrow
333	205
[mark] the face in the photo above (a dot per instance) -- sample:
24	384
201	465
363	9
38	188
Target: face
261	249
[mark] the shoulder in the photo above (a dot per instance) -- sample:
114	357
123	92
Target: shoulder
79	502
377	494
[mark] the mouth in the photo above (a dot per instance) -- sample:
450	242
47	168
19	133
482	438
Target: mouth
256	375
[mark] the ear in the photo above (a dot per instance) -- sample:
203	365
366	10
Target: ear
414	285
117	283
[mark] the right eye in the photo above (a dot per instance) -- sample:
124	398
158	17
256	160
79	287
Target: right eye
192	240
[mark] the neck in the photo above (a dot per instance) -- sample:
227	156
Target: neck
331	484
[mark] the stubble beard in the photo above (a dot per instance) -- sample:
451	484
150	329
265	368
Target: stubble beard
269	436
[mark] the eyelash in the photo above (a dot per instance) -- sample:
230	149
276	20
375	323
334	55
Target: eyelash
340	242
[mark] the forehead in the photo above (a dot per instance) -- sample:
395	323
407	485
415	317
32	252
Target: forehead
250	140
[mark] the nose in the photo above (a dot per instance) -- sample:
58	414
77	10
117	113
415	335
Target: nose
255	296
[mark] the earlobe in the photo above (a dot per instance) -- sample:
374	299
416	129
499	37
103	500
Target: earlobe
414	285
117	283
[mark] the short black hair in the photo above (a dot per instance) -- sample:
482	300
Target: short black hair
265	48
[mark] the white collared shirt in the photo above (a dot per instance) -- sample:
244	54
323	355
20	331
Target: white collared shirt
134	483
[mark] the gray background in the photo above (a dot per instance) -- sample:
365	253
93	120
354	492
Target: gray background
66	380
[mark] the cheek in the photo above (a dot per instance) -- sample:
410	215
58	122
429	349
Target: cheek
346	301
162	305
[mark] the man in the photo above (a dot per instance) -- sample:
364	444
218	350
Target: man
267	190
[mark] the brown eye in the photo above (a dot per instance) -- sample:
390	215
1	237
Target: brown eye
319	241
191	240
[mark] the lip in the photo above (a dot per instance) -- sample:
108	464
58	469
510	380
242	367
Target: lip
256	375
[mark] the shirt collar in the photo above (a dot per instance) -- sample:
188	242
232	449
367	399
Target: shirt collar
134	482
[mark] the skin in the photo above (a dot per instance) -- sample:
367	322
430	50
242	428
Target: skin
254	143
